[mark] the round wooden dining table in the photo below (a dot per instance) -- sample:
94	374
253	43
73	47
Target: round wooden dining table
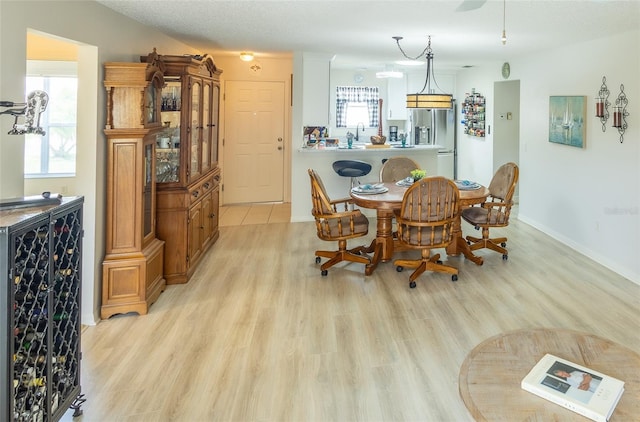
388	202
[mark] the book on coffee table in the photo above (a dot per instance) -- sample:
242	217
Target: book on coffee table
587	392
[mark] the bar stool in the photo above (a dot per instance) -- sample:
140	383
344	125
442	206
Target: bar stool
352	169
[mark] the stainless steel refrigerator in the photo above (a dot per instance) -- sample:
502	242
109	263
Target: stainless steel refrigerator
437	127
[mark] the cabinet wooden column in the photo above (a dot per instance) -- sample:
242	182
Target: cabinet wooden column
132	277
188	175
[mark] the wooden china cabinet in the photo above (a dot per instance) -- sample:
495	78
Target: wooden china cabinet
187	172
132	277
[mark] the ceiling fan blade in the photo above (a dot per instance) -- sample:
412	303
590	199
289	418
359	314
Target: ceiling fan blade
468	5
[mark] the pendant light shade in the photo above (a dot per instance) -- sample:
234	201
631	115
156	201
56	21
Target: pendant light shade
437	101
427	98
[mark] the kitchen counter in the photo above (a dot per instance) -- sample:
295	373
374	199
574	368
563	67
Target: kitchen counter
362	148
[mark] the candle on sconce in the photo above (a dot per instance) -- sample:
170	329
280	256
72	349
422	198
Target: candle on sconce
599	107
617	117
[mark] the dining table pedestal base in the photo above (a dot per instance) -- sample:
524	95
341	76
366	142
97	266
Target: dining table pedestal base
459	246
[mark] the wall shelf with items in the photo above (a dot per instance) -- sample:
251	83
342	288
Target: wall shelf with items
473	114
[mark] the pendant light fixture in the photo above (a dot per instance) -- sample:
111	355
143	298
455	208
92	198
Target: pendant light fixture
504	19
428	99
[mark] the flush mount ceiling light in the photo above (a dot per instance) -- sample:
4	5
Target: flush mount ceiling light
428	99
389	74
409	62
246	56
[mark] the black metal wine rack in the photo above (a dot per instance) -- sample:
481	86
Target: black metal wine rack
44	294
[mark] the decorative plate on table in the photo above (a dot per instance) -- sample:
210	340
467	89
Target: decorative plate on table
467	185
370	189
406	182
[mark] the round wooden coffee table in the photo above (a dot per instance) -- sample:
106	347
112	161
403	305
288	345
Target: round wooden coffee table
490	376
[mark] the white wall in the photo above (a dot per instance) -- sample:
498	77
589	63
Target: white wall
586	198
103	35
475	154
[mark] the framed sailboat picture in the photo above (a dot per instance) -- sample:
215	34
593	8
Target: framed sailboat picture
567	116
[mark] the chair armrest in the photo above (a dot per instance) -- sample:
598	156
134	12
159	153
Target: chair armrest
335	202
495	204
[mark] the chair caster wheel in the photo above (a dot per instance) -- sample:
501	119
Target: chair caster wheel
503	244
399	268
469	242
317	259
324	273
412	284
439	262
454	277
505	257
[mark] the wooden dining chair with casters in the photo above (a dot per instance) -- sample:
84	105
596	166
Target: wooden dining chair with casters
395	169
332	224
495	211
429	210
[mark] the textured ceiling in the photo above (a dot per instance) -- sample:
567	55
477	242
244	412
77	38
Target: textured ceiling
359	32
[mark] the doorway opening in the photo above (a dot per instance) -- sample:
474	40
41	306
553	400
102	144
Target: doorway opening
506	126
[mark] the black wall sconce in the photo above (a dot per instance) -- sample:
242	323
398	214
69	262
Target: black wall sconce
602	104
620	113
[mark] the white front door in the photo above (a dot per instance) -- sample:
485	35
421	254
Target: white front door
254	142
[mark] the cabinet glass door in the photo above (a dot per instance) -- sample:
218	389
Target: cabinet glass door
168	144
195	130
206	126
215	103
148	198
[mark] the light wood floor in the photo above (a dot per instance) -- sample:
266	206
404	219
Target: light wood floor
259	335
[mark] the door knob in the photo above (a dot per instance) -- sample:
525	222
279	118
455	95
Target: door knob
279	139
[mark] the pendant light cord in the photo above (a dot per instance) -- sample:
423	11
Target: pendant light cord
424	52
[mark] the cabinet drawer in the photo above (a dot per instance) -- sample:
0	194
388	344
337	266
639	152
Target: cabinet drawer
197	192
216	177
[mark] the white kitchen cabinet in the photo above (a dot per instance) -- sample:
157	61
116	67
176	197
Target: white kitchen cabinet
315	101
397	98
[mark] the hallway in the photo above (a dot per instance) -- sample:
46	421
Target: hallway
247	214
